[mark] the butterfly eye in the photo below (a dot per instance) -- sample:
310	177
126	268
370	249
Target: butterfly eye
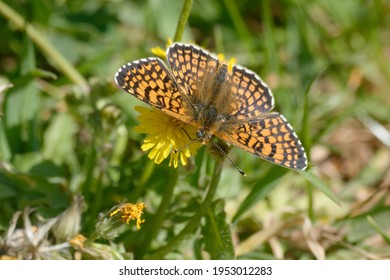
200	134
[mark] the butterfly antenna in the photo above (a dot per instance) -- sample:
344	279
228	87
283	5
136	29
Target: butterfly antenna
184	146
216	145
227	156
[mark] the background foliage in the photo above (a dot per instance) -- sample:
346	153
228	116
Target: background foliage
66	130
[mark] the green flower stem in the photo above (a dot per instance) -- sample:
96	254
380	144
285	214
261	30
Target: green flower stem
97	187
185	13
194	222
154	226
46	47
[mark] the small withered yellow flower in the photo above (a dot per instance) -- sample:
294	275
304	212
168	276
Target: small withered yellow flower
130	212
78	241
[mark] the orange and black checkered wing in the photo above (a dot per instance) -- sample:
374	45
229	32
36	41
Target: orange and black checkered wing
251	96
189	64
149	80
270	137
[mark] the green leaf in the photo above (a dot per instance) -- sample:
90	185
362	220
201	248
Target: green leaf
31	190
379	229
261	189
21	108
320	185
22	104
367	224
8	188
59	142
43	74
28	61
5	151
217	236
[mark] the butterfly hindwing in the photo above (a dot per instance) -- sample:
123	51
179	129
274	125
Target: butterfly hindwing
270	137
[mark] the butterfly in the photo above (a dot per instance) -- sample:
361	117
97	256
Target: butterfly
232	104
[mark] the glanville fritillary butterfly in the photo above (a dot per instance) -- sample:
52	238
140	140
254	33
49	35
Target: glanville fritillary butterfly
234	105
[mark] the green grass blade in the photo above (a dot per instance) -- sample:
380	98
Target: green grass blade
320	185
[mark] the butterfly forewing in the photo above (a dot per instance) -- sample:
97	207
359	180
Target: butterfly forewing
252	95
149	80
189	64
270	137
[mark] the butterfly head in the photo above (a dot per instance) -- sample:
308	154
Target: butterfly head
202	136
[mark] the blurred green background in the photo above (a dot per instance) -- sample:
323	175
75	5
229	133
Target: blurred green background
67	130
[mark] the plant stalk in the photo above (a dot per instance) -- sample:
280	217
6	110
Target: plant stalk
185	13
46	47
195	220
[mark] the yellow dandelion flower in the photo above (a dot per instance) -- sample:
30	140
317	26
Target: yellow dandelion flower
230	62
130	212
158	51
166	134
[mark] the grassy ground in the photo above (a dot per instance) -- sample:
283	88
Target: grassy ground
67	138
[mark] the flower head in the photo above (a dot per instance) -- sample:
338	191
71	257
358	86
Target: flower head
229	62
166	134
78	241
114	222
130	212
159	51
